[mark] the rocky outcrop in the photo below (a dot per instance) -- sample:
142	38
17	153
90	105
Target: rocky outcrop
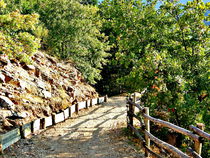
6	103
36	90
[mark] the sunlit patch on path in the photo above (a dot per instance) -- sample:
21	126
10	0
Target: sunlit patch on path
84	136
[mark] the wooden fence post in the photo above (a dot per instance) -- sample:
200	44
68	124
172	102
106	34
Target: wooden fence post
53	119
131	108
147	127
77	108
86	104
1	150
134	97
198	144
91	102
106	98
130	112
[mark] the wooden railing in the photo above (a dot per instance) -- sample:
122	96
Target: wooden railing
197	135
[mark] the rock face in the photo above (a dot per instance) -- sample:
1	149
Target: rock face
6	103
2	78
41	88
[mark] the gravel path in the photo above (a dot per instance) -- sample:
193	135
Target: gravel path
91	134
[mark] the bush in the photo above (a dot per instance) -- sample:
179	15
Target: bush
18	33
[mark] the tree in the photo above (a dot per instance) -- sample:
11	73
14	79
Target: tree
90	2
126	24
164	50
74	33
20	34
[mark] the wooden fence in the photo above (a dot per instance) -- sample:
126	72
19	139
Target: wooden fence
197	134
35	126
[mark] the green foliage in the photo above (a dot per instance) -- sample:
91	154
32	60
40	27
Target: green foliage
120	23
74	33
165	50
2	4
17	33
89	2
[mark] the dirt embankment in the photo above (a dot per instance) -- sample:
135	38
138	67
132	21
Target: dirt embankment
39	89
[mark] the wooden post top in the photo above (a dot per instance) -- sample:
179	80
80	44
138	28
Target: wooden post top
200	125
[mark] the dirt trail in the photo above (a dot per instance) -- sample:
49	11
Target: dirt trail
92	134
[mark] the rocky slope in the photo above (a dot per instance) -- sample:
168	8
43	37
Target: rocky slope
37	90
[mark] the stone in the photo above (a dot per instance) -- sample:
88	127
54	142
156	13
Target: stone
30	67
14	61
6	103
14	82
46	111
72	95
5	113
22	114
2	78
8	77
94	101
37	72
70	89
48	121
67	113
58	117
4	59
6	124
88	103
52	60
47	94
74	82
100	100
36	126
61	83
25	101
41	84
23	84
81	105
73	109
50	81
65	75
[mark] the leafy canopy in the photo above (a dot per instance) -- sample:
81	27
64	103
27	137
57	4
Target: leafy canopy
164	50
74	33
20	34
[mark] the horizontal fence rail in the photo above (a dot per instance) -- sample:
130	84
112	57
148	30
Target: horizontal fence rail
196	134
170	148
173	127
192	153
200	132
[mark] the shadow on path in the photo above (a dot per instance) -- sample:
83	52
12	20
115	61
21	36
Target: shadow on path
83	136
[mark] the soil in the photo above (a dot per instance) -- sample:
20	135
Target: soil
96	132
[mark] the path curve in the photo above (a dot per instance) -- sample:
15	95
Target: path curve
88	135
